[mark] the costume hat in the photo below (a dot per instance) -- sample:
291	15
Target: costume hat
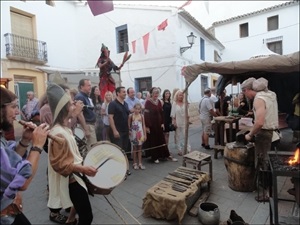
7	96
103	47
57	98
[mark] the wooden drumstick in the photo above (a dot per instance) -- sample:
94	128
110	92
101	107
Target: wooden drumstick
54	138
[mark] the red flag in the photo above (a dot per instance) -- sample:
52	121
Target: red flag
99	7
145	41
185	4
133	46
163	25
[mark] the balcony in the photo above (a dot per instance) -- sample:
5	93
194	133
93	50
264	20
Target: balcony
25	49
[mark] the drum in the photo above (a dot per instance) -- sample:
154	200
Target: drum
112	166
79	132
81	141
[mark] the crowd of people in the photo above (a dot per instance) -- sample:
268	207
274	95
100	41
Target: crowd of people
136	125
140	127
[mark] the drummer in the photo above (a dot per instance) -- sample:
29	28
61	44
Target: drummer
65	160
46	117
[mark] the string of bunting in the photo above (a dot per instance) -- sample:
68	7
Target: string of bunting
161	27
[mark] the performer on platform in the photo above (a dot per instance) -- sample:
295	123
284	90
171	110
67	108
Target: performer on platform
106	65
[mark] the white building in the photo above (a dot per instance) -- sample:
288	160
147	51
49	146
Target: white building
70	38
274	28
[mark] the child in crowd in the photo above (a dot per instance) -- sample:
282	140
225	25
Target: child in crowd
137	132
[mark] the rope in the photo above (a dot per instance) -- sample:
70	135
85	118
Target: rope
115	210
125	209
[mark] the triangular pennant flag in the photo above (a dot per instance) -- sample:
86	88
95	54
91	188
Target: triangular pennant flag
206	3
163	25
185	4
145	42
133	43
99	7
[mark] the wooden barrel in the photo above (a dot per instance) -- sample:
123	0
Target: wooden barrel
240	164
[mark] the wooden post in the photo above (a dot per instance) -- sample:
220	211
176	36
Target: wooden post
186	118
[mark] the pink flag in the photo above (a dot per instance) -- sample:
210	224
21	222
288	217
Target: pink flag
185	4
133	46
163	25
99	7
146	40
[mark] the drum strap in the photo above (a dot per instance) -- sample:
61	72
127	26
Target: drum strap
87	183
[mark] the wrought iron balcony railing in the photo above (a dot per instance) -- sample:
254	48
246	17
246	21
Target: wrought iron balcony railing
25	49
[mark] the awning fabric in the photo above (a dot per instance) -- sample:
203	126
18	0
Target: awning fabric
282	72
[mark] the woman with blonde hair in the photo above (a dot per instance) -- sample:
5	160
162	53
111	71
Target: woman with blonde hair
108	97
178	120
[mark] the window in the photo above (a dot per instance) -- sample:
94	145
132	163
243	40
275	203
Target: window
275	47
217	57
122	39
21	24
244	30
273	23
143	84
204	84
202	49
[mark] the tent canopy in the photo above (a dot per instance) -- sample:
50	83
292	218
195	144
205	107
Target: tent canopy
282	72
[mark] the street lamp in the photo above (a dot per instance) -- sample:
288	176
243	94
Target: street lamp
191	39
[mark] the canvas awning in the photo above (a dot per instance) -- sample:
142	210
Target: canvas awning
52	70
282	72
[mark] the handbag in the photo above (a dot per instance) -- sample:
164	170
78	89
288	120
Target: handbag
172	127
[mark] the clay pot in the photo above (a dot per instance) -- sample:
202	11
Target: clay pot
209	214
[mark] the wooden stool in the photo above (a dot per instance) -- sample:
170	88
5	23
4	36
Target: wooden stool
198	159
217	149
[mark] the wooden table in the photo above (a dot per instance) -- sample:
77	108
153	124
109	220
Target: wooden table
219	128
163	202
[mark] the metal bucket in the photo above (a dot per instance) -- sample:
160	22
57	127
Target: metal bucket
209	213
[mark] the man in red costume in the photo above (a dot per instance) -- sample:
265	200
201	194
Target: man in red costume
106	65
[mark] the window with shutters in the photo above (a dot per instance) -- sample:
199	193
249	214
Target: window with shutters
275	47
244	30
202	49
122	39
273	23
22	24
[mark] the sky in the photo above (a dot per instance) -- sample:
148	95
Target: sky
217	10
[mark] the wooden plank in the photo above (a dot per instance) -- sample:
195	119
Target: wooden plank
194	210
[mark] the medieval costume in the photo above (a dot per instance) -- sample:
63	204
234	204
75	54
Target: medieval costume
104	63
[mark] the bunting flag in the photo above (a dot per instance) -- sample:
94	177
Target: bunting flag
133	43
206	3
99	7
145	42
163	25
185	4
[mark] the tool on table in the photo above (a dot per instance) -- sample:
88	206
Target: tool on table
175	182
184	177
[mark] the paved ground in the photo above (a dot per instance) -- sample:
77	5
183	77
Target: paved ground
131	192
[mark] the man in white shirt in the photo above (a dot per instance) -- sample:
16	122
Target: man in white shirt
206	111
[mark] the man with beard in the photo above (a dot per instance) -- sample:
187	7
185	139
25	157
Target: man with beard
17	165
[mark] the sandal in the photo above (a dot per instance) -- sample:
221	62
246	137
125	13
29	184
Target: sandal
58	218
262	198
74	222
142	167
135	166
180	153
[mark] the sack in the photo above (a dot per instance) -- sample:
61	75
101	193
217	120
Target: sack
172	127
14	208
